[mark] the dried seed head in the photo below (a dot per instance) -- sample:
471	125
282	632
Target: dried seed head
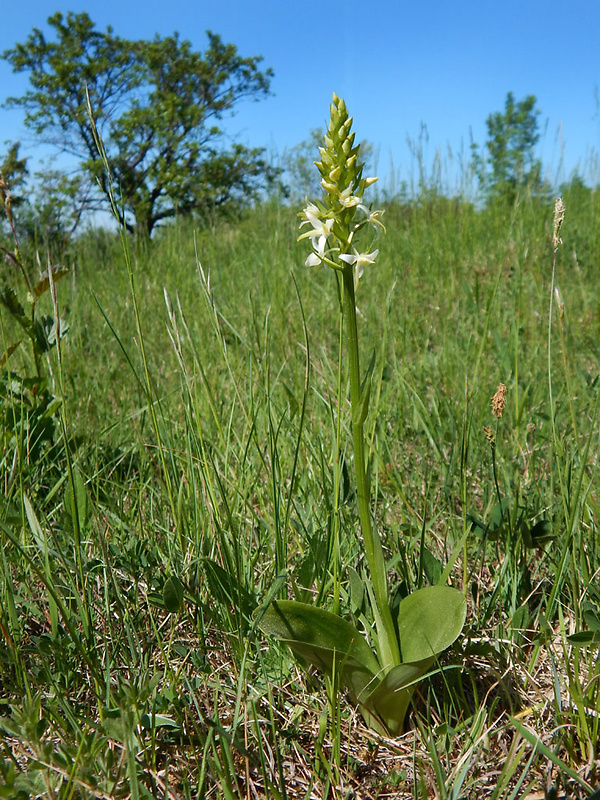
559	215
499	401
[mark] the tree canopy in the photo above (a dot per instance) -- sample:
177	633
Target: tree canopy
512	137
157	106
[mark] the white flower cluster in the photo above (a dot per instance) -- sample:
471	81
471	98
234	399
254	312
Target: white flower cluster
321	231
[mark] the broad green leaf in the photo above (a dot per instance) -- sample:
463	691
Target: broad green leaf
173	595
590	615
357	589
323	639
152	722
499	520
542	533
429	621
272	593
432	567
476	523
584	638
385	708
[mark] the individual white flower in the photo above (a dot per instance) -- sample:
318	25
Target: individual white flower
359	261
317	256
311	209
319	227
372	217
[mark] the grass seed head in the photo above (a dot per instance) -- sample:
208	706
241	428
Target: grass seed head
490	435
499	401
559	215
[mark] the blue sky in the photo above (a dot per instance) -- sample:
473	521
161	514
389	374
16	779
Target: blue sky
397	64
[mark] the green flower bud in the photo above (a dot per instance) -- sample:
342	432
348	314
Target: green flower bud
335	174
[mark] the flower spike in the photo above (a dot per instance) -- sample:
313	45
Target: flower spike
336	220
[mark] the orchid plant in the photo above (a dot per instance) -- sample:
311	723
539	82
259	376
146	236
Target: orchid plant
381	678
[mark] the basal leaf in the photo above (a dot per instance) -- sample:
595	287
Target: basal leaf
542	533
323	639
429	621
155	721
385	708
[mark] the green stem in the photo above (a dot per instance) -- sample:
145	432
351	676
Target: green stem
388	641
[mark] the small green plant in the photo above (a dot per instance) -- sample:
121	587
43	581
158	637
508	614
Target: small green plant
380	680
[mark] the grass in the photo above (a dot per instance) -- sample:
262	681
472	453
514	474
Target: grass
193	479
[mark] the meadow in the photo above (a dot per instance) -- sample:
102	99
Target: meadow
199	465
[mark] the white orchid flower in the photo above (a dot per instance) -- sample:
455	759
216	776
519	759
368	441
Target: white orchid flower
318	254
359	261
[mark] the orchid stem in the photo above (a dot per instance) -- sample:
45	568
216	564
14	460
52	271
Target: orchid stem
389	649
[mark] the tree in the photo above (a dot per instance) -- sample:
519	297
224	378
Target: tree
50	203
157	106
512	137
57	204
